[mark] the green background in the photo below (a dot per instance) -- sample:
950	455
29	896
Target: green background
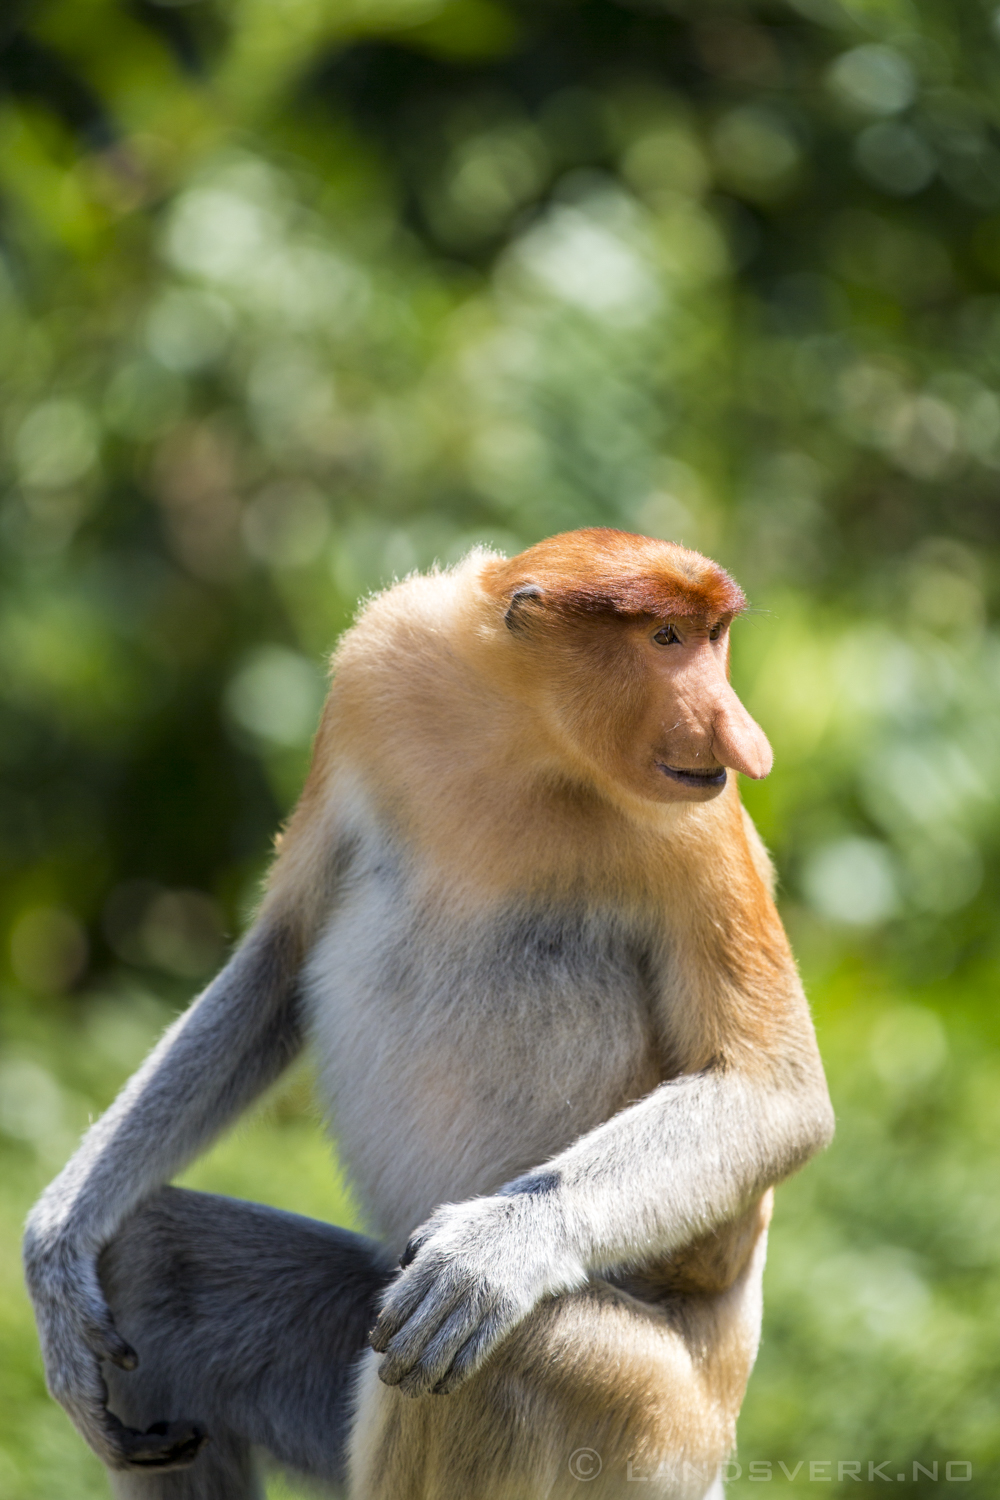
298	295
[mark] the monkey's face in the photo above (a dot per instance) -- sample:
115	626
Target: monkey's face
623	643
692	728
646	704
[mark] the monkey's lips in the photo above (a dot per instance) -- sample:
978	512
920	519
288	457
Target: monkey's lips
714	779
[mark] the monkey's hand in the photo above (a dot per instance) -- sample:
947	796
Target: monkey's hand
471	1273
77	1332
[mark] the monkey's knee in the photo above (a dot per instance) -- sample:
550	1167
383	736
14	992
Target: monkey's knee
153	1275
246	1321
594	1386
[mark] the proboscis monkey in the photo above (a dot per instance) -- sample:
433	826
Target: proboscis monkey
526	927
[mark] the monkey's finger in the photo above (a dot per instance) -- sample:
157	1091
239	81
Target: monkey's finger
402	1301
406	1348
411	1251
107	1343
104	1340
439	1354
473	1353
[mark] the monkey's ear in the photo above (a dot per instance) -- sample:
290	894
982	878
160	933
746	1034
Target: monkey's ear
514	618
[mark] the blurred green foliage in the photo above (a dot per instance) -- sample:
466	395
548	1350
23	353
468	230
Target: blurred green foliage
297	295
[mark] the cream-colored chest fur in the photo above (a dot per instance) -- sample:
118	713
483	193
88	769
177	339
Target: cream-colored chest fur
456	1054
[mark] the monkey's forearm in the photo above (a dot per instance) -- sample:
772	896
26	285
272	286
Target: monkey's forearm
210	1065
682	1161
232	1042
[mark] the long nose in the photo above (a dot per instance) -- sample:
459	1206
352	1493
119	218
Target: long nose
737	740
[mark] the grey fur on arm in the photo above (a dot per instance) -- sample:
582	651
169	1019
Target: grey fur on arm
689	1157
219	1056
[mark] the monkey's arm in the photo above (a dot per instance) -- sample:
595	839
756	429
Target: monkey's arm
233	1042
683	1161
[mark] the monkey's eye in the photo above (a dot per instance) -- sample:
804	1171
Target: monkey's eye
666	636
715	632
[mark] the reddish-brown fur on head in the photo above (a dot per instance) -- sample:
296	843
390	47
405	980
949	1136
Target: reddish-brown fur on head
600	571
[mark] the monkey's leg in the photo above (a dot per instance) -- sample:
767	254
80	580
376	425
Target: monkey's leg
246	1321
596	1386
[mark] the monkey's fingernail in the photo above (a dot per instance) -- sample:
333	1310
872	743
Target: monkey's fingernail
409	1254
119	1353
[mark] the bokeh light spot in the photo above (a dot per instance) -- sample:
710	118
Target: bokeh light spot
874	78
852	881
276	695
48	948
56	443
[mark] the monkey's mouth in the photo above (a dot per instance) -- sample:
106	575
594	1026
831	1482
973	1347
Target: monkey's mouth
694	778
